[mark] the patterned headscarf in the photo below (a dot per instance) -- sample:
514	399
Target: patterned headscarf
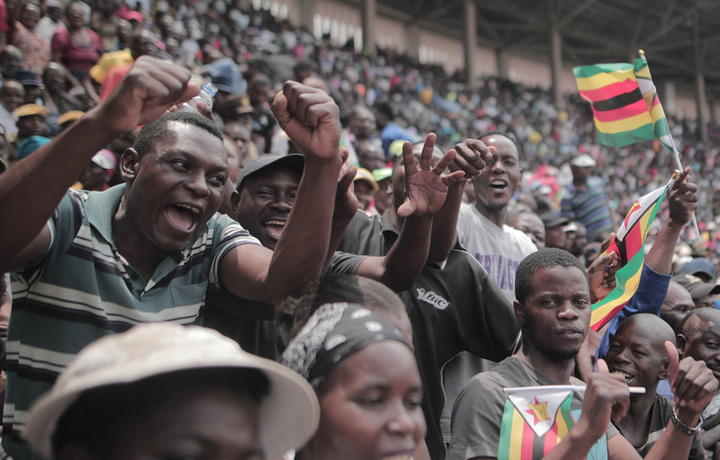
333	332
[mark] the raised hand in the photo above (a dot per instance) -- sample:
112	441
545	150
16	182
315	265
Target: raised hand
607	396
310	118
425	187
472	155
683	199
346	203
601	274
150	88
692	383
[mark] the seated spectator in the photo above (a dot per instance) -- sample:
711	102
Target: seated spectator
367	381
185	392
638	354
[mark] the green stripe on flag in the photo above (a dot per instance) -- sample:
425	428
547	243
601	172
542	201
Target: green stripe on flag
623	138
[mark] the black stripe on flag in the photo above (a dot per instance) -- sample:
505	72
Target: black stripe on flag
621	100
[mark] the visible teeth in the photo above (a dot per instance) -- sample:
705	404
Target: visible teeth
192	209
275	222
624	374
398	457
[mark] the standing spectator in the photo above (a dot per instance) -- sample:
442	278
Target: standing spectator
77	46
23	22
51	20
481	228
584	199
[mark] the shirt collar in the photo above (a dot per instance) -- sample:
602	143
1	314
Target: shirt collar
104	205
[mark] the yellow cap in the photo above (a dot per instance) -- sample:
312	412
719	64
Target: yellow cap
30	109
70	116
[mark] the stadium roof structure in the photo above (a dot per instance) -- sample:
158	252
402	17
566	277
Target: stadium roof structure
676	35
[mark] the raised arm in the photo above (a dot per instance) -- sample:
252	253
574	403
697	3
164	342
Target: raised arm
425	194
683	200
471	156
44	177
693	385
311	119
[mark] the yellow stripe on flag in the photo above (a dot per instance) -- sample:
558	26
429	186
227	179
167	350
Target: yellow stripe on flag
604	79
562	426
630	288
518	424
625	124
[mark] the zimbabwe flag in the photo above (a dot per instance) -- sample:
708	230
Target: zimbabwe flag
534	421
628	244
619	109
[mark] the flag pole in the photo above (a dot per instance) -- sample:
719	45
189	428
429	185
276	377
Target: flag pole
676	154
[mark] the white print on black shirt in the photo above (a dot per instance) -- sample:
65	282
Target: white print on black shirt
433	299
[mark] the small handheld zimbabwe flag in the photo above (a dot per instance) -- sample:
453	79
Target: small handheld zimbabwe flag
536	419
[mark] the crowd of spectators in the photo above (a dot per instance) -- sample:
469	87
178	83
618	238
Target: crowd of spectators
538	169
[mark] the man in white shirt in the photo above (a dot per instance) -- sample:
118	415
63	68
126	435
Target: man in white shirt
481	227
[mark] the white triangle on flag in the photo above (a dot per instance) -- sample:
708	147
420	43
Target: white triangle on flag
538	405
638	209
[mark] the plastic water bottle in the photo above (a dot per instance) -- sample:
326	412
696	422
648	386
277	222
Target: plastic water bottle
207	93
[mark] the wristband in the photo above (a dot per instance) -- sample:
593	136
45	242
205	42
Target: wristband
683	427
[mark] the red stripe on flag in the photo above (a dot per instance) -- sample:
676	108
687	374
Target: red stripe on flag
551	439
528	440
633	242
610	91
636	108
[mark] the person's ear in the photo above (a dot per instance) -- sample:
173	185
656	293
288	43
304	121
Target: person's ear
681	343
519	312
129	164
235	202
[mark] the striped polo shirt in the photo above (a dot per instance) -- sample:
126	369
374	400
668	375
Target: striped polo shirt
589	207
82	289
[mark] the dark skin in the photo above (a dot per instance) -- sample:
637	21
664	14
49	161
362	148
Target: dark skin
637	351
149	89
559	304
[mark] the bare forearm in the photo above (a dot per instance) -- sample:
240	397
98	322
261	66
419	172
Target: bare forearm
660	256
407	257
672	444
43	179
302	251
444	231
